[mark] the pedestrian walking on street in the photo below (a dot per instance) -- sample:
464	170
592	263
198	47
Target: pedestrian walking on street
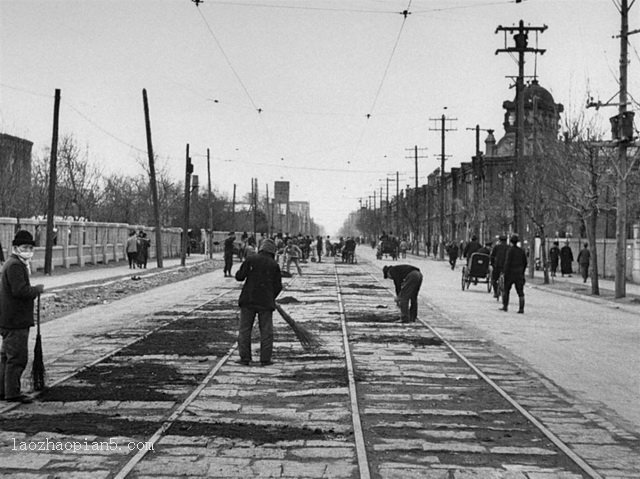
229	244
292	253
1	255
132	249
407	280
497	256
263	283
584	258
515	264
16	316
554	257
319	248
452	251
566	260
143	250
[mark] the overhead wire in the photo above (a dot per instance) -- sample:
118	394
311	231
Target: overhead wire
299	7
405	14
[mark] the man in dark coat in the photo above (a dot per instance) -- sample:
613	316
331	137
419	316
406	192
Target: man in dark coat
16	316
566	260
584	258
263	284
514	266
471	247
497	256
452	251
229	243
407	280
554	257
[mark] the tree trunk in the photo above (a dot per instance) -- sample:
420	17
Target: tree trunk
591	235
543	255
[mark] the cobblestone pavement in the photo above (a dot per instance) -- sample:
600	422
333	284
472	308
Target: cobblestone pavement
420	411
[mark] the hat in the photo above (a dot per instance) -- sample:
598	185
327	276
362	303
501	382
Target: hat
268	246
503	238
474	238
514	239
385	271
23	237
488	243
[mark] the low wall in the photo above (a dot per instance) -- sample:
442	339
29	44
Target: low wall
77	243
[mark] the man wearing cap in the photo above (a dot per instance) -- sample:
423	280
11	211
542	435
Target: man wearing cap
497	256
16	316
228	253
263	284
514	265
407	280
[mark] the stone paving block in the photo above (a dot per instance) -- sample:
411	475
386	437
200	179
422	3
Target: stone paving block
226	466
23	460
315	392
253	452
324	452
535	451
341	469
554	475
398	444
453	447
486	473
410	471
295	469
460	435
265	468
200	406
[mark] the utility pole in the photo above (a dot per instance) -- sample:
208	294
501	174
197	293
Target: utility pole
415	247
397	203
267	211
233	209
187	194
210	209
622	131
254	200
53	168
521	39
478	177
152	180
442	129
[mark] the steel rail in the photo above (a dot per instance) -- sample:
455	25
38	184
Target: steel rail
581	463
361	451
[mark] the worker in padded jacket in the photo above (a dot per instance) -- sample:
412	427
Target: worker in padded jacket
263	283
514	266
407	280
16	316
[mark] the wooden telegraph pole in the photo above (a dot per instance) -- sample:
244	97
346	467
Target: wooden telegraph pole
51	207
521	39
210	209
416	204
152	178
187	194
443	130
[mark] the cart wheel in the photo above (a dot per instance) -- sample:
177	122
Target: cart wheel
463	279
488	285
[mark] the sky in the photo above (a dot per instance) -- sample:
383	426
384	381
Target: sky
330	95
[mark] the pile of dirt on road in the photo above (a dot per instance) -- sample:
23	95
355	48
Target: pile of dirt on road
75	297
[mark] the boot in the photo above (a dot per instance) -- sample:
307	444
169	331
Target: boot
521	310
505	302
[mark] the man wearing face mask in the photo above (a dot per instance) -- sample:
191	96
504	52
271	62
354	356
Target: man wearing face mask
16	316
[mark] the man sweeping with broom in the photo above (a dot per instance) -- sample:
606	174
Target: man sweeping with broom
263	284
16	316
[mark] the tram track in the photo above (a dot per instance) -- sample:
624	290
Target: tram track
381	399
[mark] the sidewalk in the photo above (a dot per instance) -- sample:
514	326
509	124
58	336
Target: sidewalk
65	277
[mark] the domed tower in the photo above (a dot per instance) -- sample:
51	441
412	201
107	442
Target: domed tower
541	120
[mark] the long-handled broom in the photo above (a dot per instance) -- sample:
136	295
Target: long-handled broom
308	340
37	370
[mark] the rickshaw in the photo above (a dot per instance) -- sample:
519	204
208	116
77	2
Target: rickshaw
478	270
388	247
